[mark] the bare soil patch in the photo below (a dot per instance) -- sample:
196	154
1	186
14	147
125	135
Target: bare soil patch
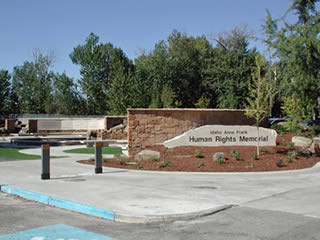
278	158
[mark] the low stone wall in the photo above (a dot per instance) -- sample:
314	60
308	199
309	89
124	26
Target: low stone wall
147	127
72	124
115	127
114	134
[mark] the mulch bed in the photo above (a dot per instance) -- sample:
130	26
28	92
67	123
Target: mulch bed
278	158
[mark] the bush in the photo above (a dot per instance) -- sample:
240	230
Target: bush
202	102
279	128
291	144
315	131
294	127
236	154
201	165
264	150
254	156
198	154
280	164
288	159
154	159
293	153
164	164
221	160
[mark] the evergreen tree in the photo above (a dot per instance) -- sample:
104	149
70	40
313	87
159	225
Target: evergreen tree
120	96
229	69
4	92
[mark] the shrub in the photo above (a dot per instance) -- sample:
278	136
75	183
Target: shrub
202	102
154	159
255	156
291	144
164	164
138	165
315	131
278	128
280	164
236	154
198	154
201	165
264	150
293	153
221	160
293	108
302	134
288	159
295	127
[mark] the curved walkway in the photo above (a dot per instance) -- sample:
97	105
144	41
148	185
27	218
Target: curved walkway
144	196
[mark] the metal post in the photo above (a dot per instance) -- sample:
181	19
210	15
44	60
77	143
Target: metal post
45	155
98	157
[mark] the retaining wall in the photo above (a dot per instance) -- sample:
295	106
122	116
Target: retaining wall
147	127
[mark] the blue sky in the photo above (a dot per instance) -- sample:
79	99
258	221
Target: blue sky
60	25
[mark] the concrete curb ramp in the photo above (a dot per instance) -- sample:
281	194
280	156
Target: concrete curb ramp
105	213
170	217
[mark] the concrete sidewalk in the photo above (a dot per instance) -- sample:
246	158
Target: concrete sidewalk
145	196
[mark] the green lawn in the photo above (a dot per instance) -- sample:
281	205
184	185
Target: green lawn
14	154
105	150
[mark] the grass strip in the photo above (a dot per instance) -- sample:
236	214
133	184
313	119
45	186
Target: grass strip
90	150
13	153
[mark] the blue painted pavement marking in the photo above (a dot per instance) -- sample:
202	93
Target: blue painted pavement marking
55	232
60	202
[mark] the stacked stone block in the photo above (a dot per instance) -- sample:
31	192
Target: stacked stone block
147	127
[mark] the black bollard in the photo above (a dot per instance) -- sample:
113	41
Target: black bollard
45	155
98	157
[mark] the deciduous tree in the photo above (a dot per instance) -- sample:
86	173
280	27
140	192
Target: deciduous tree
32	85
260	91
296	47
66	95
97	62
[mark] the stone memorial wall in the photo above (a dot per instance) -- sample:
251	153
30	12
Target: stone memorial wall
222	135
147	127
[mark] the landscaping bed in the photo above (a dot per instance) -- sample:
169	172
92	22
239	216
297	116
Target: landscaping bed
284	156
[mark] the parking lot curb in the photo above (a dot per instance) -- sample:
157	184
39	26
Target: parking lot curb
60	202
